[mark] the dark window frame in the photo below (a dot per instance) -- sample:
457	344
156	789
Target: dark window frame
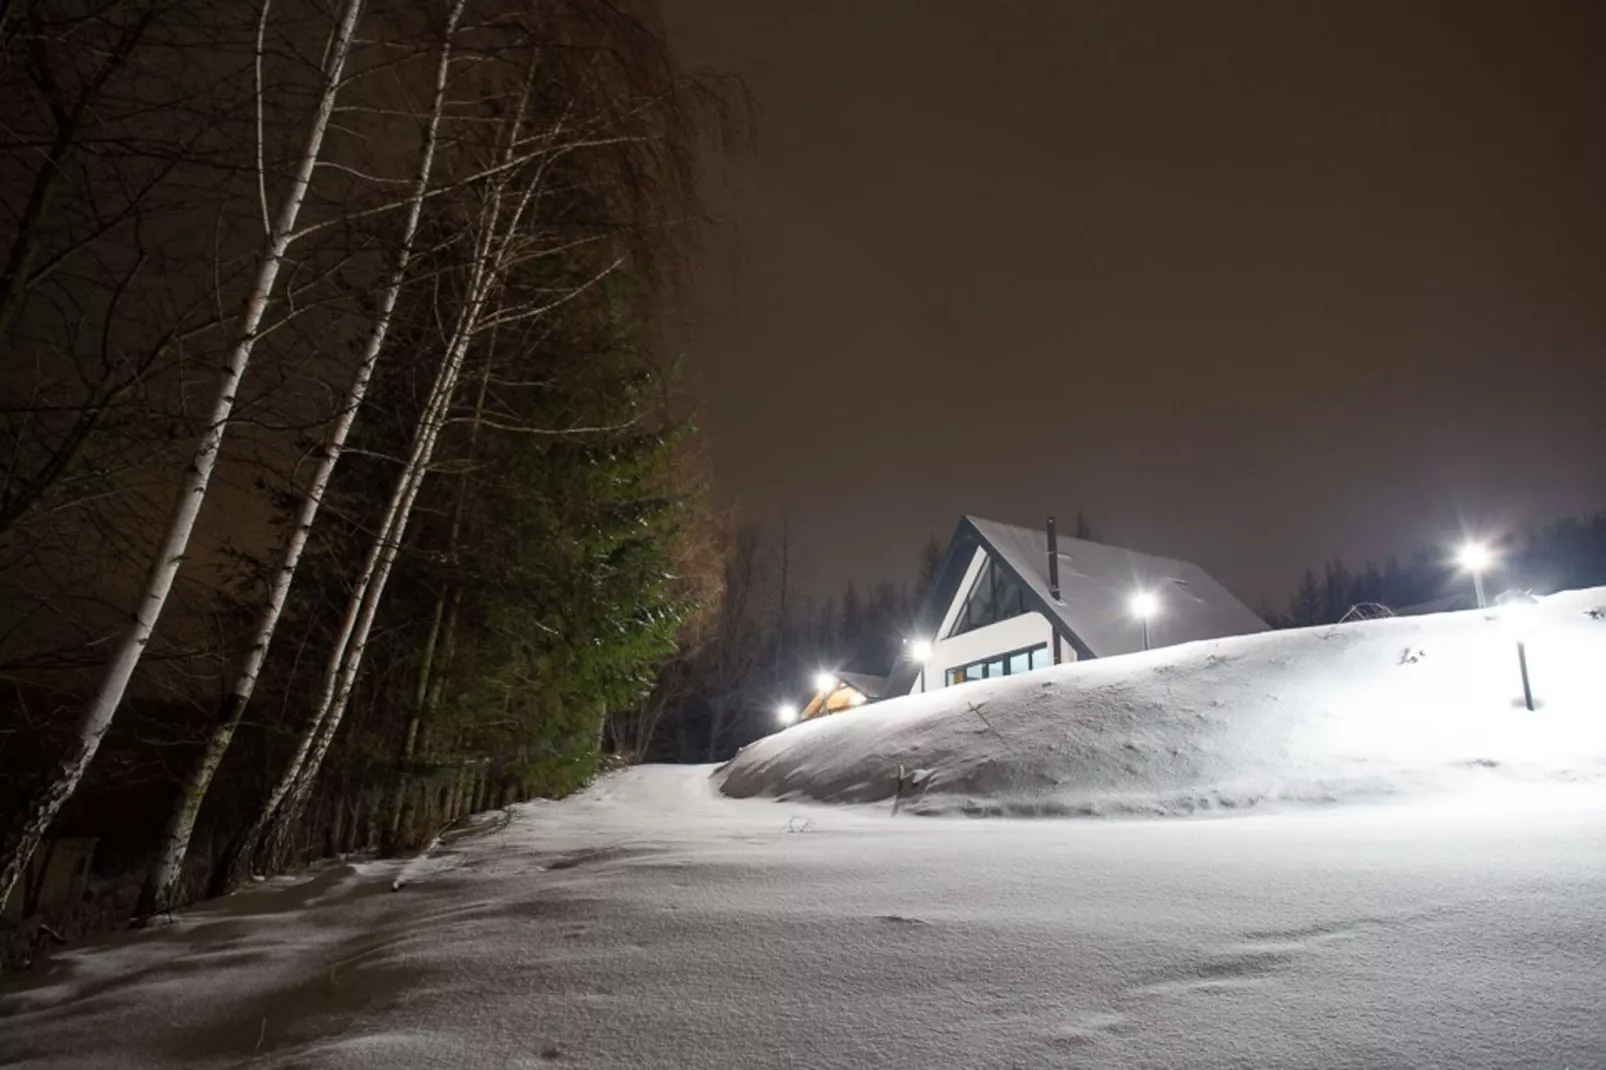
983	664
996	608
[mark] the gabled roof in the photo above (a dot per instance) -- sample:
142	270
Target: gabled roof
1096	585
868	684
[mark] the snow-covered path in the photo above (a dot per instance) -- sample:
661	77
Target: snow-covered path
654	923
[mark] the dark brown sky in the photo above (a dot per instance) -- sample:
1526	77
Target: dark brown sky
1254	284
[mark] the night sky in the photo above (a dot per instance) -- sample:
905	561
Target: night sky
1253	284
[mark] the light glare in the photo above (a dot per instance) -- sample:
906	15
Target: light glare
1475	557
1518	613
920	650
825	681
1145	604
786	713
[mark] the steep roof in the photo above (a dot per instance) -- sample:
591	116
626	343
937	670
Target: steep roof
870	685
1096	585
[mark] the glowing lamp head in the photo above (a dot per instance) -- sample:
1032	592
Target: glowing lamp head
1144	604
825	681
1475	557
920	650
786	713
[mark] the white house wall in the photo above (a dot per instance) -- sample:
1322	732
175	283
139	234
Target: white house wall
1016	633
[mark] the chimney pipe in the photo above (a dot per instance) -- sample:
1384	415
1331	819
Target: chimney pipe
1053	563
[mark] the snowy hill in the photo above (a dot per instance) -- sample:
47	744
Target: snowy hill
1371	708
652	921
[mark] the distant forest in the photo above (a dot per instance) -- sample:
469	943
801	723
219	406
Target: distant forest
1564	554
767	640
763	647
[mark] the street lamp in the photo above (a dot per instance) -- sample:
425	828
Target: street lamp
1144	605
1476	557
825	683
786	713
920	650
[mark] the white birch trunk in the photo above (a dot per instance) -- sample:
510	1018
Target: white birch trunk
167	866
345	658
292	791
286	792
330	717
430	673
493	246
25	831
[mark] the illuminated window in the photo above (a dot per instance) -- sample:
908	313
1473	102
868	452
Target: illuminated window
1007	665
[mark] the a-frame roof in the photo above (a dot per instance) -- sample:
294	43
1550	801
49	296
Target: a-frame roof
1096	585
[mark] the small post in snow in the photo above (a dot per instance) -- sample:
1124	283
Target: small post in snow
1515	612
1522	664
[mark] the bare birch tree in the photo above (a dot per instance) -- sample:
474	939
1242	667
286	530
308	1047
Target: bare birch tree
24	831
167	865
553	105
505	198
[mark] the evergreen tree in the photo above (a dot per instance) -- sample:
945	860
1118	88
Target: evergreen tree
852	630
930	559
1306	607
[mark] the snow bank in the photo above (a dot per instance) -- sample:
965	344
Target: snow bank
651	922
1313	715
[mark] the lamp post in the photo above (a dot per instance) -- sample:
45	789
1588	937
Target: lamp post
1144	605
1476	557
920	650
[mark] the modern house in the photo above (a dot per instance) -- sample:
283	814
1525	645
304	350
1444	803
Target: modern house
1007	600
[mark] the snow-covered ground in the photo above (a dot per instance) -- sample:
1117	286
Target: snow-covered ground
1371	709
655	922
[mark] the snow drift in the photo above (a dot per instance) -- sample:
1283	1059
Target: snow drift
1370	708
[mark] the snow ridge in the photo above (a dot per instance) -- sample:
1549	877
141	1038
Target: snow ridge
1368	709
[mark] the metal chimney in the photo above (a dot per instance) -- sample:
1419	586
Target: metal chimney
1053	563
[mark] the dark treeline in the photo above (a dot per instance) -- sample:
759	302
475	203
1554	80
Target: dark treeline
767	642
764	647
1564	554
344	485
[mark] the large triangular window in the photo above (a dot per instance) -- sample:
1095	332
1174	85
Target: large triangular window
995	596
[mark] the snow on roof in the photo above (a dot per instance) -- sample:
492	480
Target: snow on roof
1097	583
867	684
